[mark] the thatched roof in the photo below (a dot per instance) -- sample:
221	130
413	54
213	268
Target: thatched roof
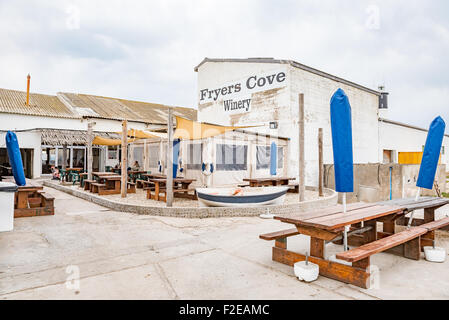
57	137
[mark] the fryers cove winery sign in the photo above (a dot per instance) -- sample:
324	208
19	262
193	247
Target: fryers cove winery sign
236	97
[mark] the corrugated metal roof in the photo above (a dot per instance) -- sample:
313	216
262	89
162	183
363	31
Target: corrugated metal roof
57	137
114	108
12	101
74	105
294	64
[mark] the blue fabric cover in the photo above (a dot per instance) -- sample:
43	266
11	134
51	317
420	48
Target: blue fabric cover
273	158
342	142
431	154
176	145
15	158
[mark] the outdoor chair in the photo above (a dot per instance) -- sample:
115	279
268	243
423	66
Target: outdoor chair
63	174
75	177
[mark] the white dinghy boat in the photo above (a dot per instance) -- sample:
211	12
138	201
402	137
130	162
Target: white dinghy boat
241	197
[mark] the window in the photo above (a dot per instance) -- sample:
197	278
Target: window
263	158
231	157
280	157
153	151
195	156
112	152
137	155
442	150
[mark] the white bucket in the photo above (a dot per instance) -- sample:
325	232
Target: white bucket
435	254
7	191
306	272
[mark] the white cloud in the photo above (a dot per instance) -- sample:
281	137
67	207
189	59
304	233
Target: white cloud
147	50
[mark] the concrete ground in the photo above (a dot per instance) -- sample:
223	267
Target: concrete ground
128	256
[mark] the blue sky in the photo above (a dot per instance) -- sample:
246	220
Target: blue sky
146	50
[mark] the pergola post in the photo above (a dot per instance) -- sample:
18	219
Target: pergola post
64	156
89	149
320	163
170	159
124	169
301	166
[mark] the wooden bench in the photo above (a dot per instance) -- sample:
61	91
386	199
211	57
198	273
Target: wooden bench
39	204
280	237
410	239
131	187
293	187
140	183
87	184
95	187
181	193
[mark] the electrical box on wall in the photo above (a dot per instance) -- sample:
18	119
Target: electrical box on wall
273	125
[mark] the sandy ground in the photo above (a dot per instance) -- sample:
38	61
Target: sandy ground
118	255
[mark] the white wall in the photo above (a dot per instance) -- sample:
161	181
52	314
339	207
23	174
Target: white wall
281	105
405	139
32	139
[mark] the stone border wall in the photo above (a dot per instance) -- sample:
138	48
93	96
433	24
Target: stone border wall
329	199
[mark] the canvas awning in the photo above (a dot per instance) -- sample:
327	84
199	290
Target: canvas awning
192	130
108	142
139	134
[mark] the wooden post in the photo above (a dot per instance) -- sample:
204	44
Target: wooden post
89	149
301	166
320	163
170	159
64	156
124	169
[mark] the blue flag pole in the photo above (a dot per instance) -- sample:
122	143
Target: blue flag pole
341	125
430	158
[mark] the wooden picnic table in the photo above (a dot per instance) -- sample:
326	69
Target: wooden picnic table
155	176
134	174
429	204
68	176
110	184
180	188
326	225
269	181
30	200
103	173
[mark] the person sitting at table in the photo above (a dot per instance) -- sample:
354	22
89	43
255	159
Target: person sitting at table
136	166
55	173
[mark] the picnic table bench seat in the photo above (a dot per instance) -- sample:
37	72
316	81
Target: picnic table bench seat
280	237
404	237
87	183
95	187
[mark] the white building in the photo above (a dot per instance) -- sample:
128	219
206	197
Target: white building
265	92
48	122
396	137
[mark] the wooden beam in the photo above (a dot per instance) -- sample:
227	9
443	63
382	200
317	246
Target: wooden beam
89	148
301	166
316	247
124	169
64	156
334	270
170	159
320	163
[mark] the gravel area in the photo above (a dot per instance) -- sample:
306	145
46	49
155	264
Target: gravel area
139	198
